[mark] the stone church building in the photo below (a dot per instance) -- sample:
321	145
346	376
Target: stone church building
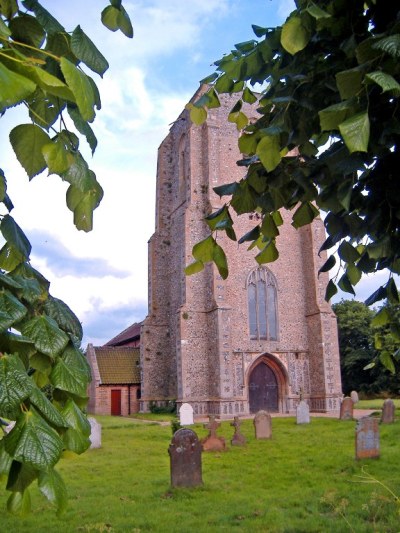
257	340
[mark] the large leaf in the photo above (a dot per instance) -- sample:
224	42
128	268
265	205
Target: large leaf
268	150
10	257
305	214
49	23
13	88
295	36
83	200
56	157
219	259
116	18
65	318
19	503
355	132
81	88
385	81
349	82
46	335
46	408
71	373
203	250
83	127
390	45
53	487
268	254
76	438
15	386
27	141
14	235
20	476
11	310
86	51
33	441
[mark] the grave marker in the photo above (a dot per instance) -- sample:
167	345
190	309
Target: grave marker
186	415
354	396
346	409
367	438
263	425
213	443
238	439
303	413
388	412
185	459
95	433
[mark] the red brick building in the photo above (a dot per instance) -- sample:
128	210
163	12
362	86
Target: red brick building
255	340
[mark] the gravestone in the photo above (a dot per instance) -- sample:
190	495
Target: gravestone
185	459
354	396
346	409
238	439
213	443
263	425
388	411
303	413
95	433
186	414
367	438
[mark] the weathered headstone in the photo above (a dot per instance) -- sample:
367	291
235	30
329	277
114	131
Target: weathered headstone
238	439
354	396
186	414
185	459
213	443
367	438
303	413
388	411
95	433
263	425
346	409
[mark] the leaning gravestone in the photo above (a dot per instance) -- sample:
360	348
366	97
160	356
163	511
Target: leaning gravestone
263	425
95	433
367	438
303	413
388	411
186	415
346	409
213	443
238	439
185	459
354	396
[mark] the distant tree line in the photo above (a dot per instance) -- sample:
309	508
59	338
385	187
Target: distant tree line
362	340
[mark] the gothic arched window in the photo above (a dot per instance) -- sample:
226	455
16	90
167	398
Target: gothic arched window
262	299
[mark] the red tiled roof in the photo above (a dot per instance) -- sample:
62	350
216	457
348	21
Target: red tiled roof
118	365
130	333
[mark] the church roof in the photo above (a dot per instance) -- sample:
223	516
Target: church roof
118	365
131	333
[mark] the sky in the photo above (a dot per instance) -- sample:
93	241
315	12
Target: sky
102	275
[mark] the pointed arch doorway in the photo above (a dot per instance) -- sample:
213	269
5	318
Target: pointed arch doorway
266	386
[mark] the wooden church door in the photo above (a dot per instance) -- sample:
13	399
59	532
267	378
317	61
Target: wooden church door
115	402
263	389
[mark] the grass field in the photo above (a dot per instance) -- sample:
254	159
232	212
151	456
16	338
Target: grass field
304	479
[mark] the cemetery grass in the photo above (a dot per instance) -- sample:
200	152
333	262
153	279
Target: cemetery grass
304	479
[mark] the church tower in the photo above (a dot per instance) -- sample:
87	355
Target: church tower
257	340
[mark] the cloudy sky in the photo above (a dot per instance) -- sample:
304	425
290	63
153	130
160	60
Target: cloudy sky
102	275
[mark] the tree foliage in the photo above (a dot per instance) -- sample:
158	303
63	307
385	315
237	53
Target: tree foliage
362	364
45	68
327	137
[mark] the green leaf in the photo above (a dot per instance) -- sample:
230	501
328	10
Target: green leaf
15	385
248	96
348	253
203	250
390	45
239	118
14	88
353	273
27	29
65	318
194	268
268	150
304	214
20	476
355	132
27	141
46	335
76	438
33	442
4	29
349	82
318	13
198	115
53	487
226	190
71	373
56	157
19	503
14	235
81	87
11	310
10	257
381	318
294	36
219	259
331	290
385	81
379	294
109	17
392	292
49	23
268	254
124	23
332	116
82	126
86	51
329	263
345	285
49	83
251	235
5	461
83	200
46	408
387	361
248	143
268	227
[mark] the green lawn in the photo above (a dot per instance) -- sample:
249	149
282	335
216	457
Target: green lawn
304	479
375	404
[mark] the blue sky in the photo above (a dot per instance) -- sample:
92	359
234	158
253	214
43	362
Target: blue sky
102	275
